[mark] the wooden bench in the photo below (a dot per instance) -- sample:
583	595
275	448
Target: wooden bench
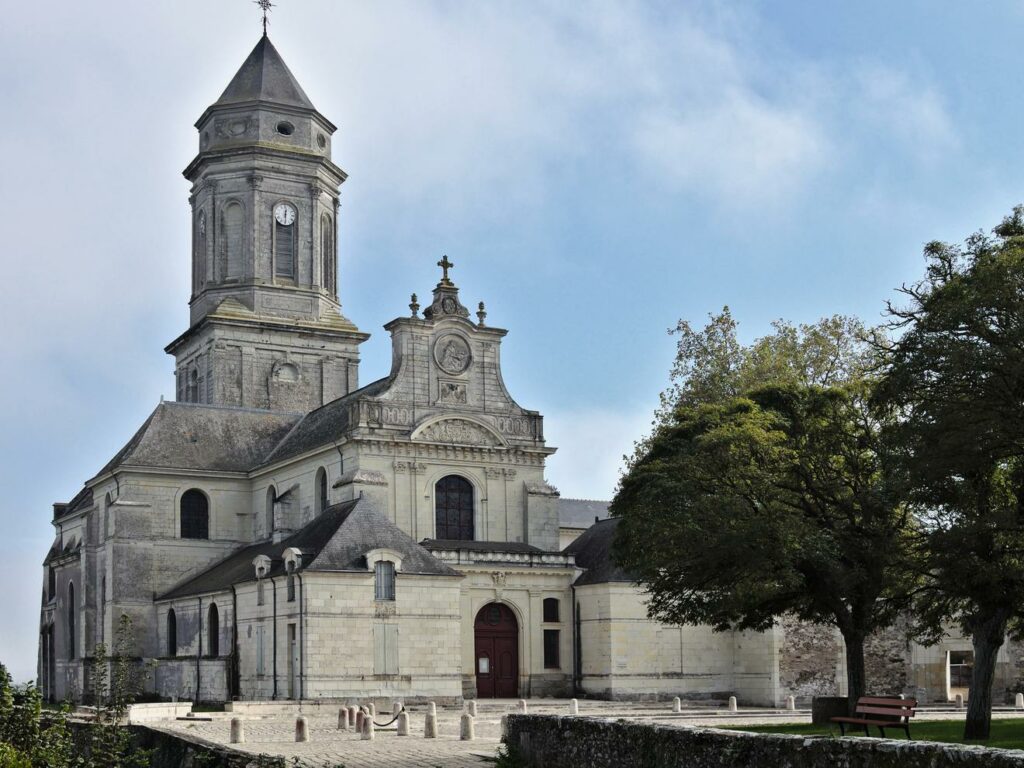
882	712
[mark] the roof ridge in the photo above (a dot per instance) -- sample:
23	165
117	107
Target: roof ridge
580	498
243	408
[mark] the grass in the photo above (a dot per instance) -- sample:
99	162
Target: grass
1006	734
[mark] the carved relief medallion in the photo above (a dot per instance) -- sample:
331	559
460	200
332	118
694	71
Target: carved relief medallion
452	354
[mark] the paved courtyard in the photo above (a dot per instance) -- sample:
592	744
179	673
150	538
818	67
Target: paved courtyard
274	734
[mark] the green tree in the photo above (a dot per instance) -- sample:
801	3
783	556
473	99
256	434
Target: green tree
956	375
743	510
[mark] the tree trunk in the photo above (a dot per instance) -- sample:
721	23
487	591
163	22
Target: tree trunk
856	681
987	638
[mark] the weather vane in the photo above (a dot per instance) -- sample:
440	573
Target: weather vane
266	5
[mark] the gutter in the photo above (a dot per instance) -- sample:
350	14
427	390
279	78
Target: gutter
302	637
199	650
273	589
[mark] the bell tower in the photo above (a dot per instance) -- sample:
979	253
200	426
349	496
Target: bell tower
266	329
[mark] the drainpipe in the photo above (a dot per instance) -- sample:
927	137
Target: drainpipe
577	644
273	590
199	649
302	637
233	684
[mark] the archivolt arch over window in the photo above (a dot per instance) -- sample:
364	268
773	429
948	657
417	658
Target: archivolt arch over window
269	512
322	495
213	631
172	633
453	508
328	255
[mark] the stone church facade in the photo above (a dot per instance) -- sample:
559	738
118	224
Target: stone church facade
281	532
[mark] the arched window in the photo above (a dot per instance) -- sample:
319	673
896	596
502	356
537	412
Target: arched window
232	223
322	499
199	259
453	508
327	255
172	633
71	620
384	580
195	515
213	631
269	513
284	241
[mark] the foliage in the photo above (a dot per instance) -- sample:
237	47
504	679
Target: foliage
1006	733
509	756
747	508
956	376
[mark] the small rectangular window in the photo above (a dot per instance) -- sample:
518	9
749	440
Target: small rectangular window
551	609
551	660
961	668
384	580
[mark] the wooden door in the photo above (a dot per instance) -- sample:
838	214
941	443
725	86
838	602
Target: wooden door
497	652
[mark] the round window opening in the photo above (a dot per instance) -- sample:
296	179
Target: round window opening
285	128
321	140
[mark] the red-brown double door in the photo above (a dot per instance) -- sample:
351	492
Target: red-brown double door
497	653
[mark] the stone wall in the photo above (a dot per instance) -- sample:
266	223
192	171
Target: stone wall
571	742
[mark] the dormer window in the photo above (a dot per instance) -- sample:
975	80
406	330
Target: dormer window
384	580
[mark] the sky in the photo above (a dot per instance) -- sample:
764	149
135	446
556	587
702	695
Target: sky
596	171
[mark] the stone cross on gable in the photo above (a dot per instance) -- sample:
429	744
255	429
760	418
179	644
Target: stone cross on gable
445	265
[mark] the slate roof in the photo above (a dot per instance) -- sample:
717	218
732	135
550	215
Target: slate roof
191	436
336	540
322	426
581	513
593	551
264	76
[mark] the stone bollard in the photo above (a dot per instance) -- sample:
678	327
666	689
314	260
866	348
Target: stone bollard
959	701
371	710
237	731
791	703
1018	701
343	719
574	707
396	708
301	729
368	730
432	708
504	726
352	712
471	707
677	705
403	723
430	726
466	728
360	716
732	704
522	706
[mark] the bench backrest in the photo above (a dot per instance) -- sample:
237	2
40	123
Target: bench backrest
897	709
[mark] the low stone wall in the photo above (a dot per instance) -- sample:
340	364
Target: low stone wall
547	741
141	713
173	751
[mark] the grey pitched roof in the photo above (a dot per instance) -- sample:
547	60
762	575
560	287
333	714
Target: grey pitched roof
264	76
336	540
322	426
593	552
581	513
190	436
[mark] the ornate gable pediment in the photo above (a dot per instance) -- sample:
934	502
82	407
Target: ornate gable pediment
458	431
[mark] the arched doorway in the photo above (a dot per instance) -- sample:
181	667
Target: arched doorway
496	634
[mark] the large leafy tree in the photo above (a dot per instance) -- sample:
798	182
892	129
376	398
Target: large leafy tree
956	375
738	511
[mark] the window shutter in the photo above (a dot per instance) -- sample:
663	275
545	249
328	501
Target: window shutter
391	648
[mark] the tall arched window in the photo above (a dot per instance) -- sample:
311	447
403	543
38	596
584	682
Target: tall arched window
71	620
172	633
232	224
195	515
453	508
199	258
285	236
327	255
269	513
322	500
213	631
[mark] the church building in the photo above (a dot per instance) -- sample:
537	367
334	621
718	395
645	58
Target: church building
282	531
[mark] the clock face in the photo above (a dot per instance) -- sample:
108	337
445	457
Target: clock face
284	214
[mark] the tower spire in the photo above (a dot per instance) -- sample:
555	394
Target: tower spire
265	6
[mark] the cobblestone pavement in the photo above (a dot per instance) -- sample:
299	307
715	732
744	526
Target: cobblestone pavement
330	748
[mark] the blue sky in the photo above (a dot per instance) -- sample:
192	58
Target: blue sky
596	170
